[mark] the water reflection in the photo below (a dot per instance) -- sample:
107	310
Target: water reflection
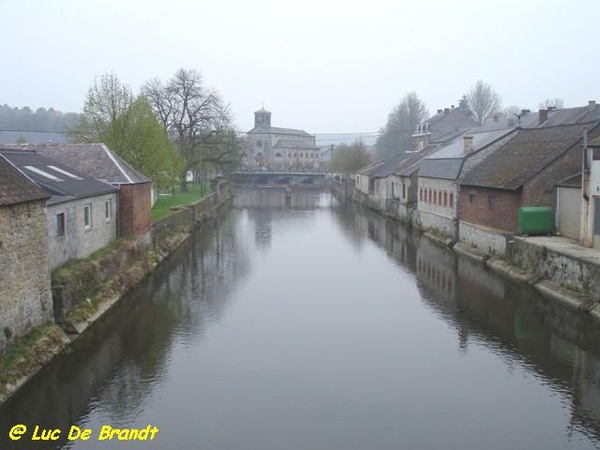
559	345
295	321
124	357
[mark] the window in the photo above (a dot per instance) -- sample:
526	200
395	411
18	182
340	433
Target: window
43	173
108	209
60	224
429	200
403	191
64	172
471	198
492	201
435	197
87	216
421	194
445	199
451	200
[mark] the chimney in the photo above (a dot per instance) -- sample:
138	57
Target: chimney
439	111
543	116
446	110
592	103
468	143
452	106
525	112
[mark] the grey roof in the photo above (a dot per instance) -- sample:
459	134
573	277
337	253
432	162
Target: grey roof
501	121
388	167
448	168
95	160
411	164
526	155
456	148
284	143
368	170
263	129
34	137
66	182
15	187
444	126
579	114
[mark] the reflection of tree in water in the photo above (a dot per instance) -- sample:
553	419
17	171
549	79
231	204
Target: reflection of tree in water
123	357
559	345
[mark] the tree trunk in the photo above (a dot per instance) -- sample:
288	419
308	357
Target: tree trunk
183	184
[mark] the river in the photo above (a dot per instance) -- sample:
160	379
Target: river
314	324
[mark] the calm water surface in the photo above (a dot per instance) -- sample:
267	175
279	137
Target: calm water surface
316	325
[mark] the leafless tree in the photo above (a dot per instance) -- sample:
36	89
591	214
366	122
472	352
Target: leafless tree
196	119
395	136
553	103
350	158
483	101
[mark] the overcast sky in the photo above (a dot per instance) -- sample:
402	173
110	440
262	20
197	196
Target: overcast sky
322	65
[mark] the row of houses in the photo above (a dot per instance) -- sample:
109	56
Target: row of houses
469	182
60	202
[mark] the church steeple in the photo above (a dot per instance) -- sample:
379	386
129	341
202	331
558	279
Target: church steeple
262	118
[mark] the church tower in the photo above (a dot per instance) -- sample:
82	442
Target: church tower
262	118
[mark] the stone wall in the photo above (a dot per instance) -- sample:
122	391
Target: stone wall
437	223
487	240
25	298
567	271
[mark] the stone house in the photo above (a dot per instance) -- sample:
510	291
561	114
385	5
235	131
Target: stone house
280	149
440	172
25	296
136	195
522	172
363	181
81	215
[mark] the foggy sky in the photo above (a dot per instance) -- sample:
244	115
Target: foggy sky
324	66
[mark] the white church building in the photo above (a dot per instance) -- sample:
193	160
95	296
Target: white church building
280	149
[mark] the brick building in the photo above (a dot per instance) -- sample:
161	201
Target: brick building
522	172
440	172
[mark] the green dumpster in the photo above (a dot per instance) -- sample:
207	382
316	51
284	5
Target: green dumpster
536	220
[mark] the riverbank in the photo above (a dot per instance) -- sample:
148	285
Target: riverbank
565	276
85	290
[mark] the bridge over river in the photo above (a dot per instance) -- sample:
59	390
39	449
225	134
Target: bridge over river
280	178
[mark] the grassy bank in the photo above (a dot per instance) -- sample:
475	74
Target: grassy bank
175	199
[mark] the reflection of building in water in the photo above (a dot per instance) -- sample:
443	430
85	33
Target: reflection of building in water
436	270
546	339
263	223
297	198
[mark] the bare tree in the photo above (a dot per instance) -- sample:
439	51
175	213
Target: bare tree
350	158
552	103
395	136
483	101
196	119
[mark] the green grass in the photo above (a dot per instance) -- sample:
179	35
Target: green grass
163	205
